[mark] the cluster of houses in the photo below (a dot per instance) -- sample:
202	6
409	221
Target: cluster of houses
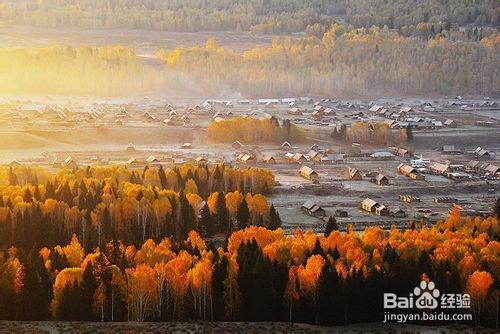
314	209
445	170
410	171
482	153
315	155
372	206
375	177
483	168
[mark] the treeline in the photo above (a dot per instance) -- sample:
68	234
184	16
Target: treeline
347	61
273	16
260	275
372	133
99	204
83	70
260	17
400	13
253	130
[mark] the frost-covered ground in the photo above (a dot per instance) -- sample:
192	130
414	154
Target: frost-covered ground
221	327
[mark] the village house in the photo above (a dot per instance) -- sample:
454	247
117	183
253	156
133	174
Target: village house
185	120
132	162
289	157
200	160
375	108
286	146
308	173
313	209
15	163
439	168
444	200
410	171
236	145
318	114
409	198
398	213
473	165
149	116
130	148
369	205
299	158
70	163
354	174
402	152
336	157
382	155
449	123
381	210
329	112
317	156
170	121
269	159
381	180
56	163
151	159
450	149
482	153
492	170
295	111
245	158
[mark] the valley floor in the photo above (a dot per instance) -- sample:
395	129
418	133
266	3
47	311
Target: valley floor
20	327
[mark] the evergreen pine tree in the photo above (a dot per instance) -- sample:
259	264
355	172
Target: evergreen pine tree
243	215
331	226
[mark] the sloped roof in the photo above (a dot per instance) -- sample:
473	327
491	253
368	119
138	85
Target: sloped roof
369	203
307	170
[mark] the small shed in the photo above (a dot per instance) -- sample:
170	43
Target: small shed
313	209
381	180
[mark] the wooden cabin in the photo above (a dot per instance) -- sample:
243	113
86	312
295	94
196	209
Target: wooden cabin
354	174
313	209
308	173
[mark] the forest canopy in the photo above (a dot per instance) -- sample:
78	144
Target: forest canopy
258	275
348	61
252	130
271	16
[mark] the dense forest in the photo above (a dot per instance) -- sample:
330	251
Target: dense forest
257	275
100	204
271	16
83	70
344	61
252	130
348	61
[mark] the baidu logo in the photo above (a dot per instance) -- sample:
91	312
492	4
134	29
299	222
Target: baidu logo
427	295
428	304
